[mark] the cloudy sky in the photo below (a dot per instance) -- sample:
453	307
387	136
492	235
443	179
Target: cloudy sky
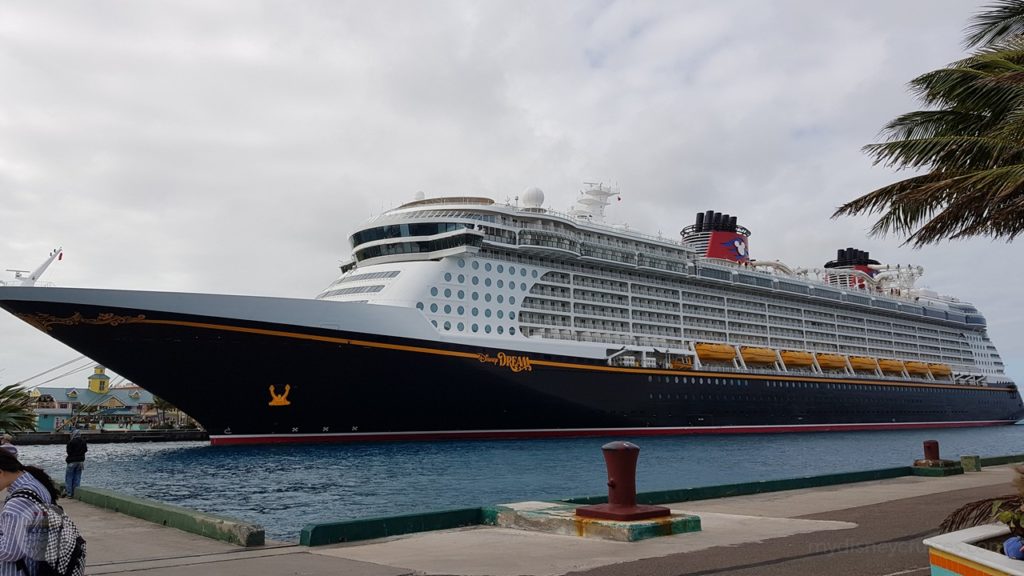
232	147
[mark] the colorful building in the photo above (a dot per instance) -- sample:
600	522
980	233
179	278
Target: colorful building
97	406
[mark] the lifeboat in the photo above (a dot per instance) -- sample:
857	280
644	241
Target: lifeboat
940	370
891	366
794	359
757	355
920	368
715	352
831	361
865	363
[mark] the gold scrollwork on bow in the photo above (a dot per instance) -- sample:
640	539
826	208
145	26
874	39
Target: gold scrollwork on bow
46	322
513	363
279	399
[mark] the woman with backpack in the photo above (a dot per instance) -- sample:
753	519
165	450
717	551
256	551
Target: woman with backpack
21	513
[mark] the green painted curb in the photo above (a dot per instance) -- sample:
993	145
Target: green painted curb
370	528
937	472
726	490
999	460
208	525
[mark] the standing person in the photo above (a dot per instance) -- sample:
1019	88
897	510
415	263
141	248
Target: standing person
76	462
20	516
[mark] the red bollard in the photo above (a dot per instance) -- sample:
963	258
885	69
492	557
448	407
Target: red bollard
620	459
931	450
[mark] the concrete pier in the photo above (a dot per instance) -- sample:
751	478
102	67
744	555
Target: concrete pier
867	528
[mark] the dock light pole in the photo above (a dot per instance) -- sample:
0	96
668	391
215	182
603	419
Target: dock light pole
620	459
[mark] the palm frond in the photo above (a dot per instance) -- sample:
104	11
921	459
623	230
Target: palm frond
1004	18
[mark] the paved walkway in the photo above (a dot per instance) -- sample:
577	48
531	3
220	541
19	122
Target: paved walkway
868	528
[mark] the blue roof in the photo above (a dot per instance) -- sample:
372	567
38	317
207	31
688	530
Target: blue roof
87	397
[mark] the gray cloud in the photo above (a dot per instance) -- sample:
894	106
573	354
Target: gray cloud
234	146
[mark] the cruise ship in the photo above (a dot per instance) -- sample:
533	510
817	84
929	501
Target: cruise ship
462	317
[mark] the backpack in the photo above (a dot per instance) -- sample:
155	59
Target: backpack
64	553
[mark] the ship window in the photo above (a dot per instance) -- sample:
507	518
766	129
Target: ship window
447	325
476	280
487	266
447	308
487	281
462	264
475	311
500	268
487	313
487	297
419	305
501	283
500	298
462	310
462	278
512	270
522	286
501	314
434	322
512	330
487	328
433	307
511	299
462	294
447	292
501	330
534	274
433	290
511	315
461	326
476	295
522	272
475	328
447	276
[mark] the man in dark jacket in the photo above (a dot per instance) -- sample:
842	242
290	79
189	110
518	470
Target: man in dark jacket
76	462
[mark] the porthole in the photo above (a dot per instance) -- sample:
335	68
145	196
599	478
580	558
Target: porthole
487	313
511	299
433	307
433	290
476	295
476	280
474	328
522	286
475	311
500	268
500	298
487	281
487	328
522	272
447	292
533	273
462	294
487	267
447	325
501	283
434	322
447	308
487	297
512	330
447	276
501	314
512	270
511	315
501	330
461	311
461	326
462	278
476	266
419	305
461	262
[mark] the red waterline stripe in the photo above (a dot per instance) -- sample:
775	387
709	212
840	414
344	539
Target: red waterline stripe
226	440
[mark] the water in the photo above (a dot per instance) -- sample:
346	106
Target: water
286	487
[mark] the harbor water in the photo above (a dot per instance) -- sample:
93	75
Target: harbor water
286	487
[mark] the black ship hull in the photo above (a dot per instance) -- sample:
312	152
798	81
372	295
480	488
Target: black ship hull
252	381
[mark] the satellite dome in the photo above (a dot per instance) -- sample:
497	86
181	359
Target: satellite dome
419	195
533	197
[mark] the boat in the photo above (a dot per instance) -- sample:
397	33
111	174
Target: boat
708	352
917	367
752	355
865	363
462	317
831	361
797	359
891	366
